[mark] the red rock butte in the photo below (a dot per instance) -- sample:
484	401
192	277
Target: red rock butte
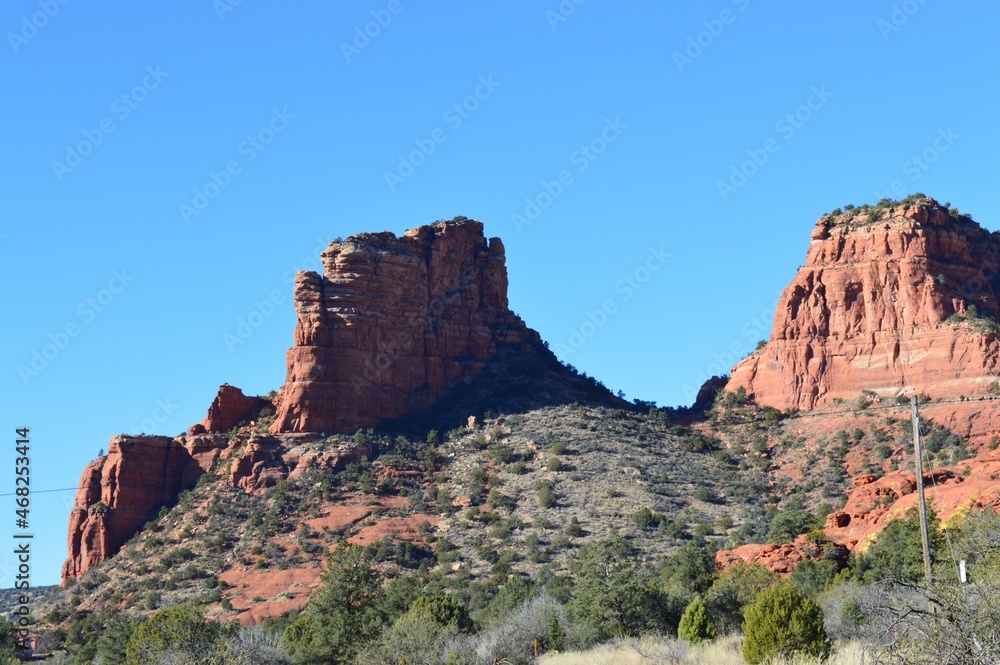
393	324
890	299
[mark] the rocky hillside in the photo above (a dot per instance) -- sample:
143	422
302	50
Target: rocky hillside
422	419
492	496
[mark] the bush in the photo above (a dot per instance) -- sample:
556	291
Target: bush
695	626
546	498
512	640
614	593
253	645
898	552
733	591
783	622
646	519
177	630
346	609
788	524
574	529
414	637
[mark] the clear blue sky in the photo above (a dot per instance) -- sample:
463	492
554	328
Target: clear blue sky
632	113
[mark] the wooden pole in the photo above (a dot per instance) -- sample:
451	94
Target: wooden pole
918	450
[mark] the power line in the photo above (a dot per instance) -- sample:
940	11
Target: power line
61	489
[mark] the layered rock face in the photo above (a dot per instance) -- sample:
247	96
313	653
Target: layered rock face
118	492
889	299
393	324
229	408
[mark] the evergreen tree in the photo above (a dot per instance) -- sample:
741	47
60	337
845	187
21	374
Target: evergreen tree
782	622
695	626
345	612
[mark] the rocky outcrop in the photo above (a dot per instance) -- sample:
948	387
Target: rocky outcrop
266	460
951	491
782	558
229	408
393	324
890	299
119	492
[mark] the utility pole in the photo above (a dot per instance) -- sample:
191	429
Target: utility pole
918	449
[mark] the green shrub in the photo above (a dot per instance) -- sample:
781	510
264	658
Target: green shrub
898	552
574	529
695	626
782	622
545	496
179	628
444	611
614	593
646	519
732	591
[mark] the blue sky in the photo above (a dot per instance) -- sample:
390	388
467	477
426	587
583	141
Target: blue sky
654	170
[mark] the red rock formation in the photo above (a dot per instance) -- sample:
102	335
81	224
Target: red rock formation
119	491
229	408
950	491
783	558
394	323
872	310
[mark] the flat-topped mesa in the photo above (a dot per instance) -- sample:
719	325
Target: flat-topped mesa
895	297
393	324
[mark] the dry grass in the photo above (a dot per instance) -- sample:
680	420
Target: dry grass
666	651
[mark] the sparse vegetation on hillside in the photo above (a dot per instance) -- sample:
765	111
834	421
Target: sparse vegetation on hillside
474	544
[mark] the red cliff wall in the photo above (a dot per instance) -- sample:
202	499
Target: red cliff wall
870	311
119	491
392	324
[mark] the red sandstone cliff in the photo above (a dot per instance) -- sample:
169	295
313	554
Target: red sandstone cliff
393	324
872	310
118	492
229	408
